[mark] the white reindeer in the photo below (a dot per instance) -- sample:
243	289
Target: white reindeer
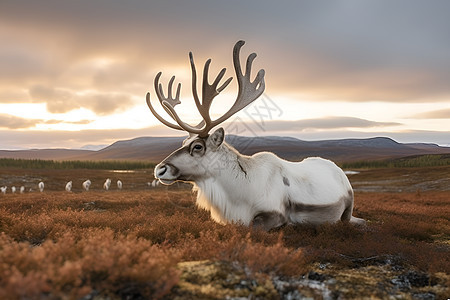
107	184
262	190
41	186
13	189
155	183
69	186
119	184
22	189
3	189
86	185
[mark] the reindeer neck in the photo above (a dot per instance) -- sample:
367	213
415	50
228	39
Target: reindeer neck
222	192
228	173
236	164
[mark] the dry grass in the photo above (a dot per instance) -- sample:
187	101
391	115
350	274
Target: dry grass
127	244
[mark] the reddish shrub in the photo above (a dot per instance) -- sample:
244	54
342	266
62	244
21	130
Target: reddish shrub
100	260
127	244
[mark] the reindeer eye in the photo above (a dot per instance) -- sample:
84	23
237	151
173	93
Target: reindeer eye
198	147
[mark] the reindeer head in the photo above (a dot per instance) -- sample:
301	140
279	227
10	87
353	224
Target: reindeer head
191	161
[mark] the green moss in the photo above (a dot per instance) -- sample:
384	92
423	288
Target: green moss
219	280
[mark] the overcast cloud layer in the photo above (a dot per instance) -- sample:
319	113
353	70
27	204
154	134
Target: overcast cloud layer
103	55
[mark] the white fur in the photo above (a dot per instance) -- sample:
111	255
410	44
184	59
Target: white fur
69	186
41	186
232	196
107	184
235	187
154	183
119	184
86	185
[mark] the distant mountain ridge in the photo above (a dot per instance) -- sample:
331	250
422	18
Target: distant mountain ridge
156	148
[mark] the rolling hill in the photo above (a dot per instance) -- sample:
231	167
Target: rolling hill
156	148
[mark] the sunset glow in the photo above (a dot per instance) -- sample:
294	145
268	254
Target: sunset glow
76	73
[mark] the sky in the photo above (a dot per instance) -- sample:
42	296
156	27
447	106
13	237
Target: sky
75	73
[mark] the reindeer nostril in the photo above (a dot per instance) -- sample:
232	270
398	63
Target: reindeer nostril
161	171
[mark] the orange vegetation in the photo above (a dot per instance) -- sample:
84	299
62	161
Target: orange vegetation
127	244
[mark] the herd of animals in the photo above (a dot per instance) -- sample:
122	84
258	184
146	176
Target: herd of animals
68	187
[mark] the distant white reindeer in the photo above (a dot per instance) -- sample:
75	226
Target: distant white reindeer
155	183
107	184
69	186
13	189
22	189
86	185
261	190
3	189
41	186
119	184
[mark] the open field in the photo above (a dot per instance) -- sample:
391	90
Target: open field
397	180
142	243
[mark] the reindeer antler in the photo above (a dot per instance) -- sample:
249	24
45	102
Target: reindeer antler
173	101
248	92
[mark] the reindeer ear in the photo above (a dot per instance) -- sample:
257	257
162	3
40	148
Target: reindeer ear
216	139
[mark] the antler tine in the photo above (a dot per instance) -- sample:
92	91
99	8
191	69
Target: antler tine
170	100
209	91
161	119
168	103
219	77
159	91
248	91
183	125
175	100
194	83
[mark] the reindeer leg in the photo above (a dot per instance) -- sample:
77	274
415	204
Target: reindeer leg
357	221
268	219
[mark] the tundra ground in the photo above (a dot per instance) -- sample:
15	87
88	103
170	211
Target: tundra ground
144	243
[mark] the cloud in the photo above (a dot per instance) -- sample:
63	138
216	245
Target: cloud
57	100
8	95
238	126
363	52
13	122
60	100
435	114
357	52
32	139
20	62
325	123
102	55
80	122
